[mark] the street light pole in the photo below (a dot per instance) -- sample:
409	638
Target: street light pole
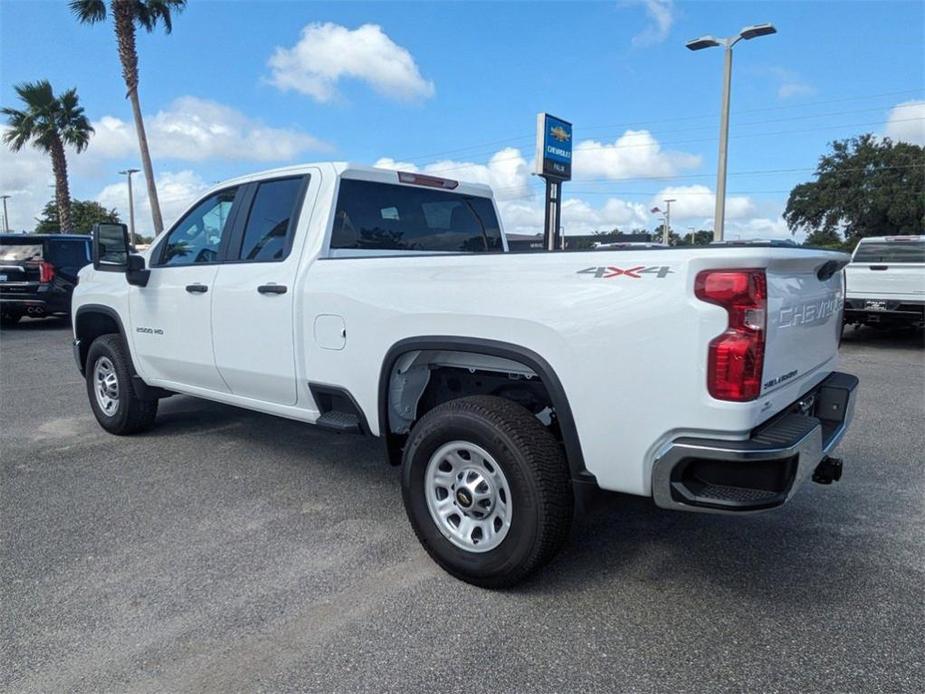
6	217
748	33
131	205
666	232
719	212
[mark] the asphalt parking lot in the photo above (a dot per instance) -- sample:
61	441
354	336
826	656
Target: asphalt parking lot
232	551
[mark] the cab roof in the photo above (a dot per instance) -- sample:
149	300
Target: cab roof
363	173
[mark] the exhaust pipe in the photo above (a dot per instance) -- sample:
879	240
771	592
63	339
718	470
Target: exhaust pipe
827	471
35	310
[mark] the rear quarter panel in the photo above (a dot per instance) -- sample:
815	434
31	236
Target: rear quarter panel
627	340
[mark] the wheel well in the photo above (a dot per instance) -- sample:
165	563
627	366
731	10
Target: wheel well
89	325
431	371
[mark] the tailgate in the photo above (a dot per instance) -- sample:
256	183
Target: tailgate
19	262
805	305
886	280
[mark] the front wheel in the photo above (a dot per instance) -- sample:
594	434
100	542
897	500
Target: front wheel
109	387
487	490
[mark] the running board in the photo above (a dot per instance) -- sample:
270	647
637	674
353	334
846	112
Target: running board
343	422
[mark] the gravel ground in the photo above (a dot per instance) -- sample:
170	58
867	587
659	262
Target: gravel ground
232	551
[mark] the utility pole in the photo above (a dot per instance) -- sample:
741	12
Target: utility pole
748	33
131	205
666	232
6	217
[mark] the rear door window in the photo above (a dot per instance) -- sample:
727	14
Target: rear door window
271	220
890	252
68	254
389	217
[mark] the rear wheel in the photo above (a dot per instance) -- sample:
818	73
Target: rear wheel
487	490
109	387
9	317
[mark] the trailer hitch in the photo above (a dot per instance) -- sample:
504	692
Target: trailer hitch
827	471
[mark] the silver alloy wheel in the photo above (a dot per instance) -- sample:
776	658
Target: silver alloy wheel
468	496
106	386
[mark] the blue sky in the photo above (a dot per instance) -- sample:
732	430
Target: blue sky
455	88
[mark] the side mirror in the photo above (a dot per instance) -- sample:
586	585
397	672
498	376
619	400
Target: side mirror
110	247
136	273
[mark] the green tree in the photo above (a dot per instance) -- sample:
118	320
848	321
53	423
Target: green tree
127	15
701	237
84	214
49	122
866	186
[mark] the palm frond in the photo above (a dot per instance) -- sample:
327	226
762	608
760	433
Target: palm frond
150	12
88	11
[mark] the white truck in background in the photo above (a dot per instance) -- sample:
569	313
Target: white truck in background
885	282
386	303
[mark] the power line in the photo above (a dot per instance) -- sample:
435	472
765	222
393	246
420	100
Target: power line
589	148
753	172
519	138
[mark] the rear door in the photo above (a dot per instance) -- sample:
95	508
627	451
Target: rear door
171	318
888	269
805	304
254	293
68	256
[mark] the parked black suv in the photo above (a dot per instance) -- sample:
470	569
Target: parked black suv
38	273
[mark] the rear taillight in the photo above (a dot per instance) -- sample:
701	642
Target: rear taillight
46	272
736	358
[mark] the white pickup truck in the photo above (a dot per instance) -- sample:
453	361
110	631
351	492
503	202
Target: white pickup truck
384	302
885	282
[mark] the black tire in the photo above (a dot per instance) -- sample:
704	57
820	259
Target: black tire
8	318
131	414
536	472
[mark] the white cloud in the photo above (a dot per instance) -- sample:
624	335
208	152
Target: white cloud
328	52
758	228
698	202
175	191
520	207
636	153
906	123
789	83
194	129
789	90
507	172
661	18
27	178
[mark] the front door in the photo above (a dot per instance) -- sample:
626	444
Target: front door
171	318
254	295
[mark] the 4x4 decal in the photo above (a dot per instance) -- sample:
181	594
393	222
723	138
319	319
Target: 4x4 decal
609	271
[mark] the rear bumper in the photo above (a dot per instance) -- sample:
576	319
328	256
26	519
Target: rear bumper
35	301
884	310
763	471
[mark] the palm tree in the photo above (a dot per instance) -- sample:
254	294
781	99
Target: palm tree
126	15
49	122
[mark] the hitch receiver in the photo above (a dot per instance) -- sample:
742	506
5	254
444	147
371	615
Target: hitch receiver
827	471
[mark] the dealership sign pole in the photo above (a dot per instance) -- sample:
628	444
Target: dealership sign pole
554	164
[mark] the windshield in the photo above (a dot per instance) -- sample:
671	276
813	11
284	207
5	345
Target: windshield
18	252
890	252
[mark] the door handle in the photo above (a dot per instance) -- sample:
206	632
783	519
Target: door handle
197	288
272	289
878	267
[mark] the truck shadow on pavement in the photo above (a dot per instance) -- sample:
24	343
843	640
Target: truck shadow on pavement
800	554
880	338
